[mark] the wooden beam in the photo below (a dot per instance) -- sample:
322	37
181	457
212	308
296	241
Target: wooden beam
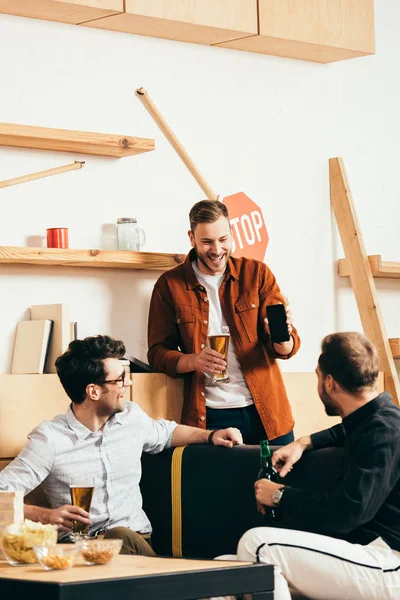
63	140
387	270
40	174
105	259
360	273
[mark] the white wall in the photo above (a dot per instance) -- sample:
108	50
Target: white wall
259	124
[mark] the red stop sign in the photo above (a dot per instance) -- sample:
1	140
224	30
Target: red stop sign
250	235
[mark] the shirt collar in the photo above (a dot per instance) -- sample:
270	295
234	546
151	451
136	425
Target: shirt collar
190	276
81	431
365	412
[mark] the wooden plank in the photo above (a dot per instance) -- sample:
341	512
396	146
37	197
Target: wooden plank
45	397
63	11
121	567
321	31
206	22
157	394
384	270
40	174
82	142
395	347
104	259
360	273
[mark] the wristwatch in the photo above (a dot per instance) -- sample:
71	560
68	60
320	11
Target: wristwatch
277	495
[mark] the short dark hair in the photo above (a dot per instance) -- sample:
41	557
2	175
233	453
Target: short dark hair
207	211
351	359
83	363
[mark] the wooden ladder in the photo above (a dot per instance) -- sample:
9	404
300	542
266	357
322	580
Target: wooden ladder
362	270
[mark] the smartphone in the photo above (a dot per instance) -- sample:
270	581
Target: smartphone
276	315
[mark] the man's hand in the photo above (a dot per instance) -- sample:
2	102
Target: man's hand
209	361
283	348
227	437
284	458
66	514
264	488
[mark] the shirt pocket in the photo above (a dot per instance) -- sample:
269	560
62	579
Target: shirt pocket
247	310
185	320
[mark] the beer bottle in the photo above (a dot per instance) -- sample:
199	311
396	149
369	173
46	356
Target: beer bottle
267	471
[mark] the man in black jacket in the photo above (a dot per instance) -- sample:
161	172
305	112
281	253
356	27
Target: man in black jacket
349	545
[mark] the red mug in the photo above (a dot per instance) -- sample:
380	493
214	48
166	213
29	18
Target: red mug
57	237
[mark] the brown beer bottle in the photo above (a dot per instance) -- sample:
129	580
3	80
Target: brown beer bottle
267	471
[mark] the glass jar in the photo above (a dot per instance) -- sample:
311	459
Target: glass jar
129	235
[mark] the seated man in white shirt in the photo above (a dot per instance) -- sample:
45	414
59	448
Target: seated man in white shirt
103	436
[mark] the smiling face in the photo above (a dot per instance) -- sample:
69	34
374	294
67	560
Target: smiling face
112	392
213	245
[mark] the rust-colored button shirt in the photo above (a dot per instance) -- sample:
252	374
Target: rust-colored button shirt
178	322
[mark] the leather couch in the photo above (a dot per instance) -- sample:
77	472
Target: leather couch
200	499
213	495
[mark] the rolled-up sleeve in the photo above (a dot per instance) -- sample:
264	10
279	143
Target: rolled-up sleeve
157	434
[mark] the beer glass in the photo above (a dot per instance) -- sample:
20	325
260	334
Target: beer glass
81	490
220	343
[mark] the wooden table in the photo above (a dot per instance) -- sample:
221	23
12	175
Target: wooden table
139	578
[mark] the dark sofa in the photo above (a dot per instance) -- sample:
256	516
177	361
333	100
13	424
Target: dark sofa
214	496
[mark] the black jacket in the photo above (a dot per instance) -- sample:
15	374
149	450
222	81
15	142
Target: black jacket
366	502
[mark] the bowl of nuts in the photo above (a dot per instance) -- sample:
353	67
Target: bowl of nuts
99	552
57	557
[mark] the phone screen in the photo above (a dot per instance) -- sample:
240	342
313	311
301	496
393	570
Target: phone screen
276	315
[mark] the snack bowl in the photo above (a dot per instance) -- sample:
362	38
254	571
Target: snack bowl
99	552
19	539
57	557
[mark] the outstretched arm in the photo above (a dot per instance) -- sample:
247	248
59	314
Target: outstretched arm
184	435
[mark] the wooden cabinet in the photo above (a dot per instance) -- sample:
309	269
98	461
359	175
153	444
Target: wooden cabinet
65	11
198	21
315	30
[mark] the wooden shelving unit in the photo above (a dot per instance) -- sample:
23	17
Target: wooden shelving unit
104	259
80	142
379	268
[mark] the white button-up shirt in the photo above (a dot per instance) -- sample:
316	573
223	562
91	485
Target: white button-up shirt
61	450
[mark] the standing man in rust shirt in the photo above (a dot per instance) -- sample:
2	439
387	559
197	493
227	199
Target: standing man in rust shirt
209	290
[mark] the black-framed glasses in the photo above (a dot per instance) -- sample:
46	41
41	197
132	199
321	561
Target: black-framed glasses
122	381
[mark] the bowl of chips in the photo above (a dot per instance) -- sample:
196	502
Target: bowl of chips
19	539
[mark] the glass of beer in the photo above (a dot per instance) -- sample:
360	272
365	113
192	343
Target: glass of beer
220	343
81	490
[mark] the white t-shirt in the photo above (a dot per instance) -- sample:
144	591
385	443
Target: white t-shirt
234	394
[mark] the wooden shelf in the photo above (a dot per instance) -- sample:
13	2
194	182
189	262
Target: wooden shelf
378	267
104	259
395	347
81	142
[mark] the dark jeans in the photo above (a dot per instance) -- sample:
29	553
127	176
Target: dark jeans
247	420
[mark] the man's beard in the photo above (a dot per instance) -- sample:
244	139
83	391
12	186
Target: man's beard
203	259
330	408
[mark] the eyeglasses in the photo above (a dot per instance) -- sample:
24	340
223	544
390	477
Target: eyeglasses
122	381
